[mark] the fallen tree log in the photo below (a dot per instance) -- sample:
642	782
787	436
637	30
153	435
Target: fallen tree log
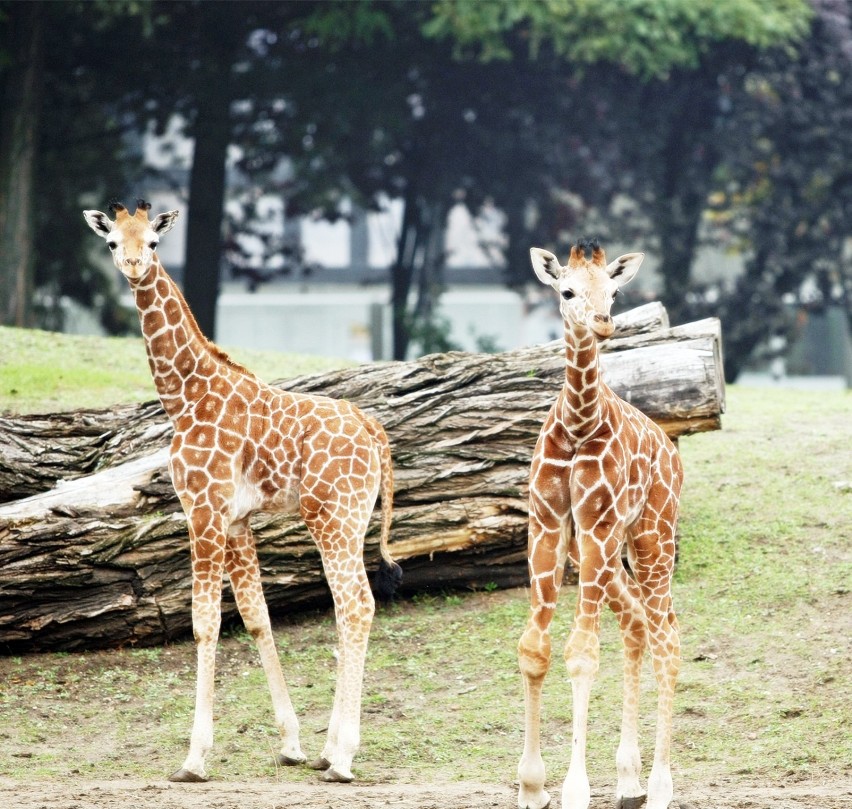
102	558
37	451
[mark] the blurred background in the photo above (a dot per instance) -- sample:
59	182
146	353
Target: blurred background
364	179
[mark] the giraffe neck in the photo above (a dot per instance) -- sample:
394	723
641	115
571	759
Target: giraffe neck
581	393
178	353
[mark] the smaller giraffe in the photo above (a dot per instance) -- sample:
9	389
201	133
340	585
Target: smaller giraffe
242	446
602	475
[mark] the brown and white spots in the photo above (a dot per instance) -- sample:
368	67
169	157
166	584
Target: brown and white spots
242	446
602	476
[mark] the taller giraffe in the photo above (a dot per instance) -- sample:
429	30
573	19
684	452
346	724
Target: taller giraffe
602	475
242	446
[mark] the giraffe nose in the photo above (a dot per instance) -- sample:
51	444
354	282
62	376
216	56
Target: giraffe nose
132	262
602	325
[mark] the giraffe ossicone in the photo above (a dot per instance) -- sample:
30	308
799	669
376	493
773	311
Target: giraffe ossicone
242	446
603	476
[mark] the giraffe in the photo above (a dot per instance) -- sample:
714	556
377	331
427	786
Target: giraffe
602	475
240	446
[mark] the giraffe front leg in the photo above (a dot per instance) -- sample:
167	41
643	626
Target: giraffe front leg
206	618
581	659
244	571
598	557
624	598
207	542
534	661
548	548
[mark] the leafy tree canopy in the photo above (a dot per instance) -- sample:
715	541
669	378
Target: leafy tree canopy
647	38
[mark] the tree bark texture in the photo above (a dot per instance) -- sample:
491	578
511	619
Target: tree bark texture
102	558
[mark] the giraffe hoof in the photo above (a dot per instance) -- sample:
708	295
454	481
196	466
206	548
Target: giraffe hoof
539	801
320	763
183	776
290	761
335	776
631	803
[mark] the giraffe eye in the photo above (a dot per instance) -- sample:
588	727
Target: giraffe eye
567	294
153	245
615	294
112	245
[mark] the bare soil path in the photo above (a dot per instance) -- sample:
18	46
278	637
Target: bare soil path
87	794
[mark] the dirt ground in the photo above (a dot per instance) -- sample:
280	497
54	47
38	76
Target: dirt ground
70	794
825	788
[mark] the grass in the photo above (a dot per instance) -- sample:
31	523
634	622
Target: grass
44	371
762	592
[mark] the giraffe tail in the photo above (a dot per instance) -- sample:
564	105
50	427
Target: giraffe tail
389	575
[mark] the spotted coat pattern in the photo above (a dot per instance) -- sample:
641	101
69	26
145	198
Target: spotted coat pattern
241	446
602	475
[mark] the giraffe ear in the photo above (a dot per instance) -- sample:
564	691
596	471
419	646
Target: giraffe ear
624	267
546	265
98	222
164	222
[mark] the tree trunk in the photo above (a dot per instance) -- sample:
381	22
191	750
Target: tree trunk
402	274
681	172
219	36
206	205
19	122
103	559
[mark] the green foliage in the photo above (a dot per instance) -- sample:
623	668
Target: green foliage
340	23
364	101
648	38
783	195
432	335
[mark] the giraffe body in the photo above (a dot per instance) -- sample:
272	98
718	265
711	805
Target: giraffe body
241	446
602	475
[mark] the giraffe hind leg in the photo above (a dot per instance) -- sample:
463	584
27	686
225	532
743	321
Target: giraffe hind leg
340	538
354	608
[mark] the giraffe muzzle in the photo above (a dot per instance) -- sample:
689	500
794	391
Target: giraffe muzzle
602	326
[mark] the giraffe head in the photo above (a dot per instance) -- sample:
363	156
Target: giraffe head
132	240
587	285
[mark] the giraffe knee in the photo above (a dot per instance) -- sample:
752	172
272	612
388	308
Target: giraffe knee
204	635
581	666
206	621
534	653
257	626
582	655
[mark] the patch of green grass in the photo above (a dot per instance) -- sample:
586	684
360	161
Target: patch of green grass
44	371
763	583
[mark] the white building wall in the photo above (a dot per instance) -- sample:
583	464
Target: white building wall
331	322
355	323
